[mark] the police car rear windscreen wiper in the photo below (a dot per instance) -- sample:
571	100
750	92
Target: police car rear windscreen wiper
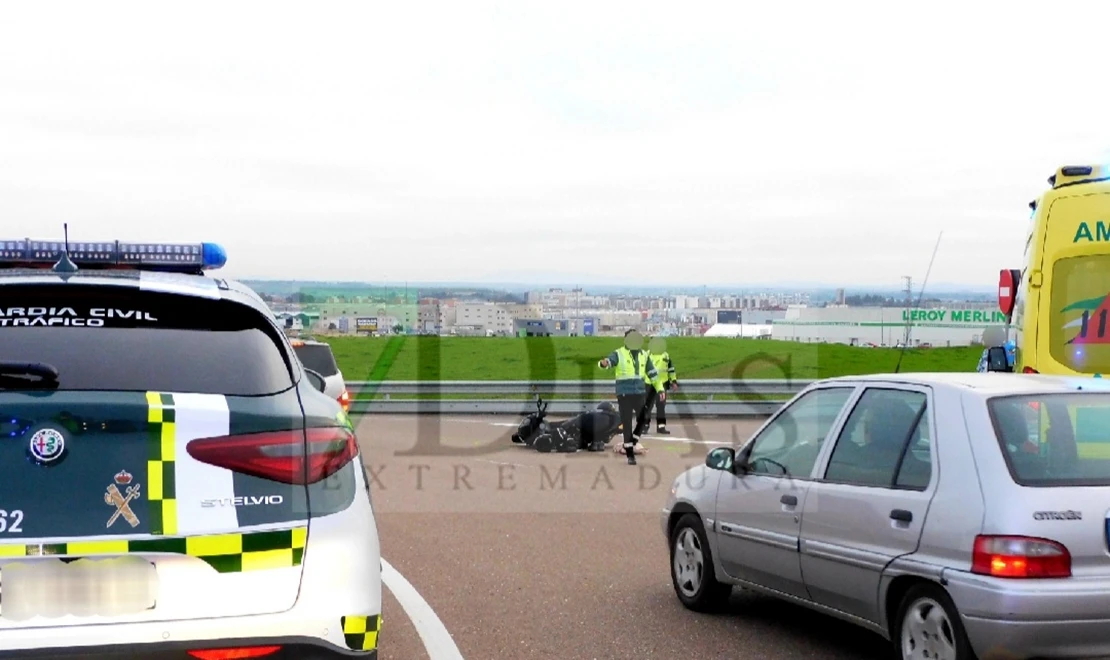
19	375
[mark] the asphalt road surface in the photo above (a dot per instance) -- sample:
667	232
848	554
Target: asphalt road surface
528	555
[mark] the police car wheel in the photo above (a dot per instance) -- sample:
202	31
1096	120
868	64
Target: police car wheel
692	573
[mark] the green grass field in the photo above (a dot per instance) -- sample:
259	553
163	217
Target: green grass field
575	358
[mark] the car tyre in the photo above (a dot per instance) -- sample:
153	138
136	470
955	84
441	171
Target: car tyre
928	625
692	574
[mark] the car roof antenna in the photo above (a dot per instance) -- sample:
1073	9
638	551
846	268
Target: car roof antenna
65	265
920	297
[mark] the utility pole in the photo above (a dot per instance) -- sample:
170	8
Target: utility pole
909	308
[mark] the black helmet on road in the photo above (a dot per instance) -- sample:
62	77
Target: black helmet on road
606	406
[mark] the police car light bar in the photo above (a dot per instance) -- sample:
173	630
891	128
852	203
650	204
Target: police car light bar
172	257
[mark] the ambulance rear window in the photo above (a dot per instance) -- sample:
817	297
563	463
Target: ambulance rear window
114	338
1079	318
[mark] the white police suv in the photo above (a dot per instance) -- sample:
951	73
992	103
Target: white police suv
173	483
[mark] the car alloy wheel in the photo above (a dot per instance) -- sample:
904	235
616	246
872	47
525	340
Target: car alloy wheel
689	562
927	634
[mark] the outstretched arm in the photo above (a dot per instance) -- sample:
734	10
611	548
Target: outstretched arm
609	362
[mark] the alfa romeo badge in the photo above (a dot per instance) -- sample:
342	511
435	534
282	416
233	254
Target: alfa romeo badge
47	445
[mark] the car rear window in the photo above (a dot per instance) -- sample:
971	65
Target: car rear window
318	358
113	338
1055	439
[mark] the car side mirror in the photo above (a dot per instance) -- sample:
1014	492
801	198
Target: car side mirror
721	458
997	359
316	379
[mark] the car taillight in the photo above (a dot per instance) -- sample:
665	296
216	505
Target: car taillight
345	401
1029	370
1020	557
280	455
235	653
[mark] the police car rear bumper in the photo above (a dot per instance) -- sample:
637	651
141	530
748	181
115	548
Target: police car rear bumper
341	582
292	648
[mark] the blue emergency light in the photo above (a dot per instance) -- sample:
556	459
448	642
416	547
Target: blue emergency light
167	257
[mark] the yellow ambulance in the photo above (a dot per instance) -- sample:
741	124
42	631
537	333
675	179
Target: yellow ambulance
1059	302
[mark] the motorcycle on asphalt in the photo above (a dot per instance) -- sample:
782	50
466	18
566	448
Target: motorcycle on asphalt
566	437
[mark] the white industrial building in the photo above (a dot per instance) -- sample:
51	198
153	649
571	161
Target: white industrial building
886	326
749	331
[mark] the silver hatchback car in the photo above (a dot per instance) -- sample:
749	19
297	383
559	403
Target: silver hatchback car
959	515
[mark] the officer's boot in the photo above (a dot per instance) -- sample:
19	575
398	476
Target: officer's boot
661	429
630	452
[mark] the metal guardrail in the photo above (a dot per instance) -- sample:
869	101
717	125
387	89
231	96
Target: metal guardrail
767	396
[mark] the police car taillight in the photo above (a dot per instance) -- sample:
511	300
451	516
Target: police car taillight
289	457
236	653
345	401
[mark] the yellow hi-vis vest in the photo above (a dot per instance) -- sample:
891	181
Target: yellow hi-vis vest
630	370
630	366
661	362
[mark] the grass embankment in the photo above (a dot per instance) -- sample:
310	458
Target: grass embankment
575	358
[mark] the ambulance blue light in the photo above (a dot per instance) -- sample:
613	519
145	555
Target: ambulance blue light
165	257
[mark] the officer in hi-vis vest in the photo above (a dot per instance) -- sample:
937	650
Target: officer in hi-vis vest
655	390
632	365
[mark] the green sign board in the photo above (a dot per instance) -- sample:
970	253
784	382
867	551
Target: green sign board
969	316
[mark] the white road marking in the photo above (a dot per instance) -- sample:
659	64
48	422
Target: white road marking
437	641
486	460
672	438
471	420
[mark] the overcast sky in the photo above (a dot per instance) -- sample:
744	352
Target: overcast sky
696	143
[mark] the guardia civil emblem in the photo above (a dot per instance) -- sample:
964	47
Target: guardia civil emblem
122	500
47	445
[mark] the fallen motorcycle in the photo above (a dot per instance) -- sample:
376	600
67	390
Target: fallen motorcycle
532	425
589	431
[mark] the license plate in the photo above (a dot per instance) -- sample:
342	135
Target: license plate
51	588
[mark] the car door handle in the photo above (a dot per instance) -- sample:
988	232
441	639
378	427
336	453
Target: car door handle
789	500
901	515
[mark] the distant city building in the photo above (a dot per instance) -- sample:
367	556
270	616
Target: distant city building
555	327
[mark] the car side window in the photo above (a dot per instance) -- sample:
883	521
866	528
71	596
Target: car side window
917	465
789	445
885	443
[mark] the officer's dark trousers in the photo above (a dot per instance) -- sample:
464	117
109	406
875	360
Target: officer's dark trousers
651	399
630	407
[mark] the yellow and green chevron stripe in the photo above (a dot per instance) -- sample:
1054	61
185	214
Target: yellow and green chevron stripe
161	491
227	553
361	632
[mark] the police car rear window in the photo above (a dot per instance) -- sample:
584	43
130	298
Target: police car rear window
1055	439
109	338
317	358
